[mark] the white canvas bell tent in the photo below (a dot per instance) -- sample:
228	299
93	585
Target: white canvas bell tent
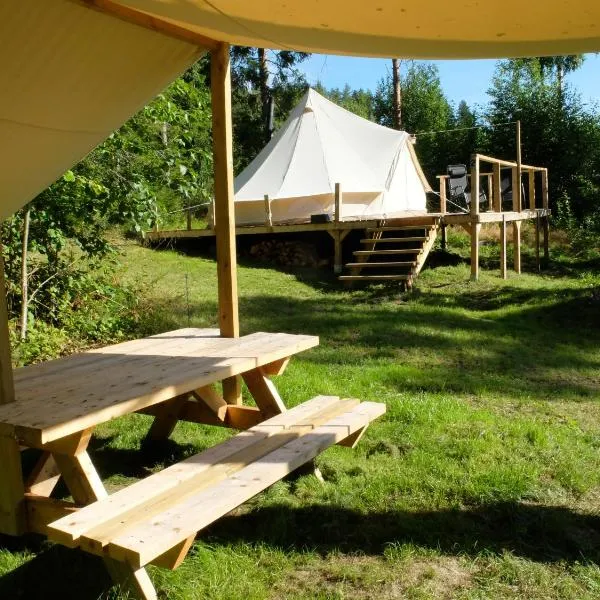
322	144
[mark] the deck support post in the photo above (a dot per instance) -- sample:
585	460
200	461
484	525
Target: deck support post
503	247
475	231
224	208
444	240
545	223
337	254
537	241
517	246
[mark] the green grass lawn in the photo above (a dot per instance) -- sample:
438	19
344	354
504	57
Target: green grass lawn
481	481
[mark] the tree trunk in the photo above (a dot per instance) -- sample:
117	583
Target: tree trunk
263	77
24	282
397	97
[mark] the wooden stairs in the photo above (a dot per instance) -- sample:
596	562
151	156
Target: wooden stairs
392	253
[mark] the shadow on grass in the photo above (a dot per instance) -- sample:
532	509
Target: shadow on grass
54	572
540	533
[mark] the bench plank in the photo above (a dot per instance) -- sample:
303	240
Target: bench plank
151	538
69	531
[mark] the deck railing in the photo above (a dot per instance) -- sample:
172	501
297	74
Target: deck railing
493	184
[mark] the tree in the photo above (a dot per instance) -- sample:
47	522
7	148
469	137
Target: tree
425	109
397	93
360	101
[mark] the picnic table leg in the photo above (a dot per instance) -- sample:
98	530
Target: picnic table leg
165	421
264	392
86	487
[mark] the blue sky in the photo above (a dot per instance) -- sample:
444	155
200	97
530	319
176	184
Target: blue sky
461	80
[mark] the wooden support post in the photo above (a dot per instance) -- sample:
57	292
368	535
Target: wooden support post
497	188
519	168
537	241
474	185
517	245
224	208
268	214
443	195
444	240
546	223
189	219
490	188
338	203
475	230
516	186
7	388
531	190
337	255
264	393
503	247
12	491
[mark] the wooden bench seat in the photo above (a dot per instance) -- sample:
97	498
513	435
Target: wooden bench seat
156	519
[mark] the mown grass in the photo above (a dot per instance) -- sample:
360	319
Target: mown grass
482	481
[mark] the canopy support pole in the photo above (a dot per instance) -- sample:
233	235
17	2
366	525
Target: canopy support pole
229	322
12	491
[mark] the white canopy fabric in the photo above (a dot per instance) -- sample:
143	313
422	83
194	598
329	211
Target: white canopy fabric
322	144
72	71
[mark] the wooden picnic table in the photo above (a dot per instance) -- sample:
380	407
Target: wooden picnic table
173	377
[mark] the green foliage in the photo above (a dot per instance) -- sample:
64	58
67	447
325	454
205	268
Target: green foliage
360	101
558	131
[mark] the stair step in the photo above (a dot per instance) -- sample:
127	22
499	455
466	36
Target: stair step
400	228
394	239
373	277
395	251
367	265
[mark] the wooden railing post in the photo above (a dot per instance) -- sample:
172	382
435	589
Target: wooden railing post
531	175
519	168
475	225
338	203
497	187
546	222
516	186
443	182
268	214
229	323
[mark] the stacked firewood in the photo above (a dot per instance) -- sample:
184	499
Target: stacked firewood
287	253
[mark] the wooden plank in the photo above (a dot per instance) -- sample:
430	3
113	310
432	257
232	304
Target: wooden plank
475	231
545	196
402	277
517	245
96	538
43	478
143	543
72	445
85	404
223	187
265	393
425	250
406	263
152	22
211	397
497	188
394	240
394	251
41	510
68	532
7	390
538	226
12	491
503	272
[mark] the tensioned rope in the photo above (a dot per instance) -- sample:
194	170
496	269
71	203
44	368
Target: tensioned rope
493	126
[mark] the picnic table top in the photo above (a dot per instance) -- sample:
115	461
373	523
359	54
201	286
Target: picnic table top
64	396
